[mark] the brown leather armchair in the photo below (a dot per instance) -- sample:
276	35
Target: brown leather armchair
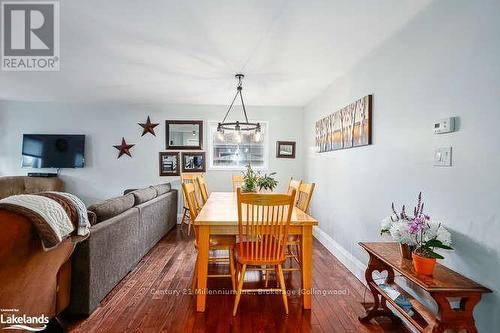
32	280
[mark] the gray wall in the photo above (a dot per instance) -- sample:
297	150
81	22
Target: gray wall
104	124
445	62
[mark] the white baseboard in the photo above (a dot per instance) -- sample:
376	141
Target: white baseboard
354	265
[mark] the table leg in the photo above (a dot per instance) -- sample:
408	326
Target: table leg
203	247
457	319
307	265
379	307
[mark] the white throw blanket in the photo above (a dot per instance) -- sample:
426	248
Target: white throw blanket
49	216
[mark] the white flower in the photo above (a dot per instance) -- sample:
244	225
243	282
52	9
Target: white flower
399	232
444	236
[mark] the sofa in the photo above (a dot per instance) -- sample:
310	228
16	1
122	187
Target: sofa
32	280
123	230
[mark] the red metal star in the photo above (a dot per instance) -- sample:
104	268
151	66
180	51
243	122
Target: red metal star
124	148
148	127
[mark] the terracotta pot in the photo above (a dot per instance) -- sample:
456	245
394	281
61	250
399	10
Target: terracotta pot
406	250
423	265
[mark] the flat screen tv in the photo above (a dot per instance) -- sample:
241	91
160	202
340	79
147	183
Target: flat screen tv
53	151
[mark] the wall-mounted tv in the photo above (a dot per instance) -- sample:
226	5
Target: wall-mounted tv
53	151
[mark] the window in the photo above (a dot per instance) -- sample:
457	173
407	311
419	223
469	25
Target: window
234	151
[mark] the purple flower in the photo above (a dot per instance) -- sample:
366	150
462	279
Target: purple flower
416	225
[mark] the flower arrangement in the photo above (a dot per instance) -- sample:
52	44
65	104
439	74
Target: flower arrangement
418	231
253	181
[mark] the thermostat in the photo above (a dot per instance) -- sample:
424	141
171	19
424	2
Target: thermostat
445	125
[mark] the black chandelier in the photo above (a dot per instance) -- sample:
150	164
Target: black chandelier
238	126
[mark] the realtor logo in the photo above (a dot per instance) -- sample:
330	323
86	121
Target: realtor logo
30	35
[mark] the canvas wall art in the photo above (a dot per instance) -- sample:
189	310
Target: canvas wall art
346	128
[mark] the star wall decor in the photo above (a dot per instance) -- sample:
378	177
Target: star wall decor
148	127
124	148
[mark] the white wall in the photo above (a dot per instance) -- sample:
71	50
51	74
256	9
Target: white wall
104	125
446	62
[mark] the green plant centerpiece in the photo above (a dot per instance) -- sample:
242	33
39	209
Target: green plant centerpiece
254	181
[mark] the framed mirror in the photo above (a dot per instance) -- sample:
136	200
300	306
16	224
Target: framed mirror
184	134
169	164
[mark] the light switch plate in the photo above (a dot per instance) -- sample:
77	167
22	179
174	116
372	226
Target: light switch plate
442	157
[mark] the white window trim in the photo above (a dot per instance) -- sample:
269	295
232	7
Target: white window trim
210	145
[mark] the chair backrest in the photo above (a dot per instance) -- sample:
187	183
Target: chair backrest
202	185
294	184
263	221
304	196
190	178
237	182
189	191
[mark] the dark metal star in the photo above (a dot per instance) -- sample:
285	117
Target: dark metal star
124	148
148	127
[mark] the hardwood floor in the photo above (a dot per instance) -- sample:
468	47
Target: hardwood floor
154	298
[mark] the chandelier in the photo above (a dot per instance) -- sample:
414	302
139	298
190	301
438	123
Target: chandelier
238	126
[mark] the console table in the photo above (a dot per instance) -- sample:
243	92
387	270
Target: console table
444	284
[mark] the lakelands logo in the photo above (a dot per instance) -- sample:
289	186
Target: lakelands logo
28	323
30	35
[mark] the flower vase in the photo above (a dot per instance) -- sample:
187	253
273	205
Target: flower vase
423	265
406	250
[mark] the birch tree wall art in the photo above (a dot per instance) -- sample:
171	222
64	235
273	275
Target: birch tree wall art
348	127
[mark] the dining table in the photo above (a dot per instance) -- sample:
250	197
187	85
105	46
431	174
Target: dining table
219	216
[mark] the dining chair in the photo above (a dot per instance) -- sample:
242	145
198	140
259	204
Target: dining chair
294	184
237	182
303	201
263	221
216	242
189	178
202	185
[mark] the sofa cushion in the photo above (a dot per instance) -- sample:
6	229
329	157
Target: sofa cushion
143	195
112	207
162	188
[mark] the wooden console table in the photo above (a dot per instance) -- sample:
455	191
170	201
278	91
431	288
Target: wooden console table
444	284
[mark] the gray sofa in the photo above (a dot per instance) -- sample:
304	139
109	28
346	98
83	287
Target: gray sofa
123	231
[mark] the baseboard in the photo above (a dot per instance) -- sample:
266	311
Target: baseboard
354	265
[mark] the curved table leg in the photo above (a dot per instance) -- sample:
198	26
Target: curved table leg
379	307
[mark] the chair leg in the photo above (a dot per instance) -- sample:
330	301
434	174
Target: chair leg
266	277
231	268
189	226
240	287
283	288
195	275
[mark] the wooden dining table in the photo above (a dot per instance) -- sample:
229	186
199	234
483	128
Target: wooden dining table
219	216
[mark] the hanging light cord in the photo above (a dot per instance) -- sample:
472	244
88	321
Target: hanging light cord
238	92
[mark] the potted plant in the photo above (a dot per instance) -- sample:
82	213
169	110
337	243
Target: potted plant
253	181
267	182
418	236
250	180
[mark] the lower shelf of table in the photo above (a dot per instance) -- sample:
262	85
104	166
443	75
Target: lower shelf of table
421	318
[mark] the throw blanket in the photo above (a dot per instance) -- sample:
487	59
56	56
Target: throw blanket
55	215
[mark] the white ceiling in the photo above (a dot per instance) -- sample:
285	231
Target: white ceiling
187	51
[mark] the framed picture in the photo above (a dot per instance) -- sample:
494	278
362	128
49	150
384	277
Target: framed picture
348	127
193	162
285	149
184	134
169	164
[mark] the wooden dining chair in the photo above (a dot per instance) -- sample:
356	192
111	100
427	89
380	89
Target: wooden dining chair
304	197
294	184
189	178
237	182
202	185
216	242
263	221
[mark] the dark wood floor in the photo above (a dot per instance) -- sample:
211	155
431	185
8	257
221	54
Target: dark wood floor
144	299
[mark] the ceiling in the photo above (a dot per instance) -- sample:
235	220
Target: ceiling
171	51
